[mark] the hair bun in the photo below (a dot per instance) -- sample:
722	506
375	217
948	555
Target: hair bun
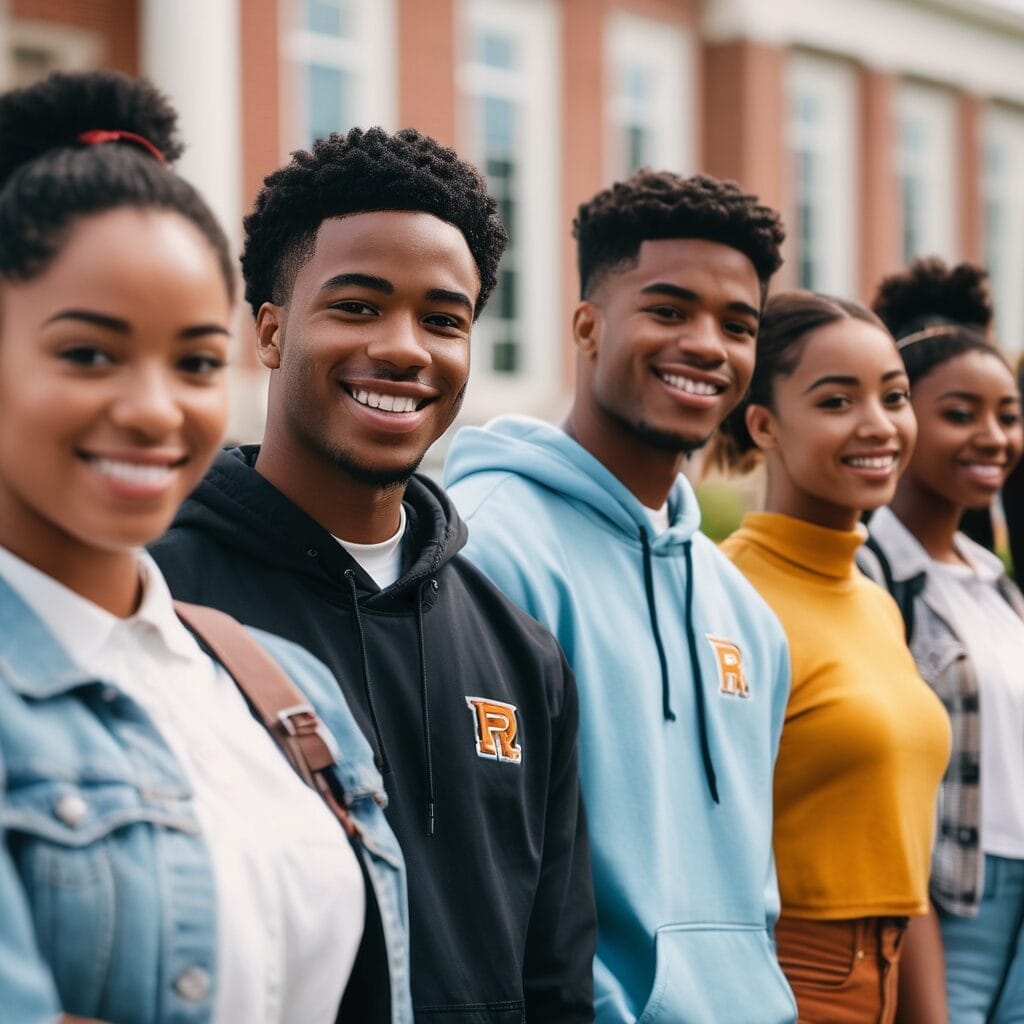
929	292
51	114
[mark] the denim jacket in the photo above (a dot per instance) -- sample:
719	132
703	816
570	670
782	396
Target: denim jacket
958	863
107	907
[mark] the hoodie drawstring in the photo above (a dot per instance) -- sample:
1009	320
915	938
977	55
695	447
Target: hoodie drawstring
425	708
698	678
666	706
382	756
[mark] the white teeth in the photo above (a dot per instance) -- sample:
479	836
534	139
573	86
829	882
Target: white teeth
872	461
388	403
134	472
691	387
986	471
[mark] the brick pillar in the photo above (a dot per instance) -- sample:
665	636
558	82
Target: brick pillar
426	67
583	90
970	222
260	31
744	117
880	210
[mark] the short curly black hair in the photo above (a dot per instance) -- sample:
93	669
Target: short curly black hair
50	177
360	172
610	227
936	312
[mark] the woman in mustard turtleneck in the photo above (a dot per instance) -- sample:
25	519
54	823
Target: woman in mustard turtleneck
865	740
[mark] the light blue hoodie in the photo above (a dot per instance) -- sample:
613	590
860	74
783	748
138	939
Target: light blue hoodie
676	759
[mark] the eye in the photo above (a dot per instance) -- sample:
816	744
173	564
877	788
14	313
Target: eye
1010	419
444	320
665	312
86	355
835	402
740	328
355	307
897	399
958	414
201	364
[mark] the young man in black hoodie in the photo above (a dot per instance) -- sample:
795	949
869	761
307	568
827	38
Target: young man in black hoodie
366	263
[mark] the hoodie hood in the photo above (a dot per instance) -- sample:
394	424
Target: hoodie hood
548	456
243	510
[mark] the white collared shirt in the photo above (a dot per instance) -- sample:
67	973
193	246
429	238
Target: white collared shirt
994	636
290	897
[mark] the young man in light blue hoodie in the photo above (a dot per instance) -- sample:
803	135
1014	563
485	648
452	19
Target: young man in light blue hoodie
683	671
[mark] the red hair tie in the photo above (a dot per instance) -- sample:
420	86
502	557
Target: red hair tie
98	136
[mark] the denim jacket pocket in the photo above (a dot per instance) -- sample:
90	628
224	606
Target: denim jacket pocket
85	856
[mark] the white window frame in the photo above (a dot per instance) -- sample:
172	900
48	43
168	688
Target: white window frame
935	166
667	53
1003	197
535	87
368	57
833	143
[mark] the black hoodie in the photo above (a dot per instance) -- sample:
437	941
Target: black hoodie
502	923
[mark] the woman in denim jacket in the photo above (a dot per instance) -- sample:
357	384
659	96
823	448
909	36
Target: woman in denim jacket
965	625
159	858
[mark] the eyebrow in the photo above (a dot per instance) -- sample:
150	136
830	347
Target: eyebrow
686	295
444	295
968	396
845	380
375	284
119	326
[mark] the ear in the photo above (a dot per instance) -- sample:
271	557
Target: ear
268	335
586	329
760	423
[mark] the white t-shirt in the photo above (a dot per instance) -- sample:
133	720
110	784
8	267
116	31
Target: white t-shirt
658	518
994	636
381	562
290	897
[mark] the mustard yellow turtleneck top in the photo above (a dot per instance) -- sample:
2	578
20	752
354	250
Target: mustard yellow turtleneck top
865	740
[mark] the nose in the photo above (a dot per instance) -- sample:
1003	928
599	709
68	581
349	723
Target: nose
877	422
147	402
400	344
992	435
702	341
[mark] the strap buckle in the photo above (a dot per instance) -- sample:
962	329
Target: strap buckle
302	720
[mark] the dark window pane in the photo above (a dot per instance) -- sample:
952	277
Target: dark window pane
329	18
505	356
496	51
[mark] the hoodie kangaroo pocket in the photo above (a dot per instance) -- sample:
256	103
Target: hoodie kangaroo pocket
721	974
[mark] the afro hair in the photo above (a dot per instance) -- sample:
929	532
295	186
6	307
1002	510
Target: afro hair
610	228
930	292
359	172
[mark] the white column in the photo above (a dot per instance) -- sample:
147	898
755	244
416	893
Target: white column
190	49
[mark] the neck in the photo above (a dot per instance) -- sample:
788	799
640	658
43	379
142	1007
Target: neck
931	519
781	500
110	579
347	508
648	472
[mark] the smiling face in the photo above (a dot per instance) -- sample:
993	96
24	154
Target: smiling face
666	348
969	413
840	429
112	393
371	352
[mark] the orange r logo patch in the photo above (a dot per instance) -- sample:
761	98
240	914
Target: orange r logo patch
496	729
730	666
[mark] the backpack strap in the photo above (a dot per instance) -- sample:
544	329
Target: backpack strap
903	591
279	703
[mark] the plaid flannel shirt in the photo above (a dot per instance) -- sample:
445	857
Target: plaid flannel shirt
958	863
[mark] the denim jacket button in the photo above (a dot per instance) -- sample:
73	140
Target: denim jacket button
193	984
71	808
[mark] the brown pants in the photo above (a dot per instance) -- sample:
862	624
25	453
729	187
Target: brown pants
842	972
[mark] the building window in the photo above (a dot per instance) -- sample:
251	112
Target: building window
1003	172
649	70
340	60
821	135
508	86
35	48
926	164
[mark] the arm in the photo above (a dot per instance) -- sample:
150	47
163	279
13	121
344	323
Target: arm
560	941
922	977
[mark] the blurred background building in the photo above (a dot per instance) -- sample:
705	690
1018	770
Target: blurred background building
881	128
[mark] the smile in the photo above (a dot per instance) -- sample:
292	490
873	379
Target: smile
882	462
386	403
689	385
989	474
